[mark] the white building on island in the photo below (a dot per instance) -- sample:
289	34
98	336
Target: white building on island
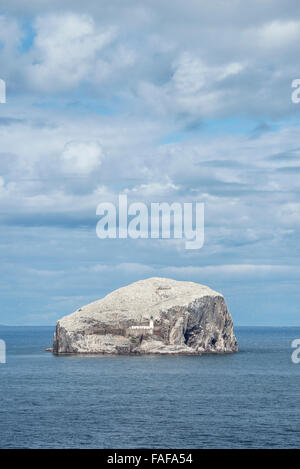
149	328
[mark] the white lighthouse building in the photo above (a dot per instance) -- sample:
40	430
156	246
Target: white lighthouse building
149	328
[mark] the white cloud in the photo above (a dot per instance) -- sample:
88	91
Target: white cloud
195	87
154	189
279	33
81	157
230	69
233	269
65	50
196	272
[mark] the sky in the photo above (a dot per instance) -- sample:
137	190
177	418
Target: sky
166	102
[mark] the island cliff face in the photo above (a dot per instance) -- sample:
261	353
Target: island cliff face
155	315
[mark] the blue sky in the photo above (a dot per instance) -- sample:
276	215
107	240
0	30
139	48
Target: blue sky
164	102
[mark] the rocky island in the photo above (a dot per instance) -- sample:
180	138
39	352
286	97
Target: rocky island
156	315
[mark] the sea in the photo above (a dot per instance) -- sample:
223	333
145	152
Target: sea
250	399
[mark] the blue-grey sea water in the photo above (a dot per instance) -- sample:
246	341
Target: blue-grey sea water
246	400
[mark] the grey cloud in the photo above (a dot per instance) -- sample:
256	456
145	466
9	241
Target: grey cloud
10	120
288	155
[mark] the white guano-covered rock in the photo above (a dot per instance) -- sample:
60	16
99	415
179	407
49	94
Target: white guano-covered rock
175	318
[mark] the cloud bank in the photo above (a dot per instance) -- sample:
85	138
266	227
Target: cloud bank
165	103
